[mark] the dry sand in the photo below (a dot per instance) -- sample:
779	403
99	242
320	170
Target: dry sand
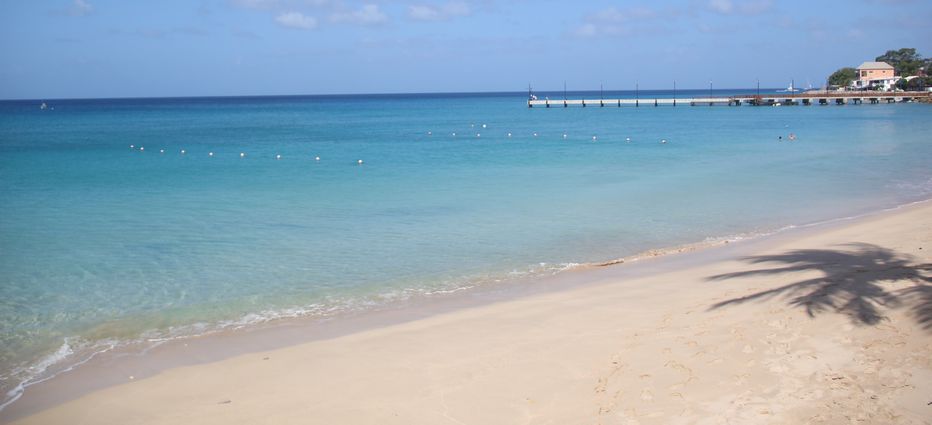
831	325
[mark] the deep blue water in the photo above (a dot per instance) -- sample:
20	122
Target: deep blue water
103	243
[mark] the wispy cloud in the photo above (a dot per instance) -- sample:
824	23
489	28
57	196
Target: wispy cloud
255	4
296	20
79	8
422	12
368	14
746	7
614	21
280	4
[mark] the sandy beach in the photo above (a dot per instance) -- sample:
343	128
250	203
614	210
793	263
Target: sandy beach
831	324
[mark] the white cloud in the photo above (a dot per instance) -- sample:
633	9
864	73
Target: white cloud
255	4
438	13
587	30
80	8
296	20
747	7
614	15
613	21
722	6
368	14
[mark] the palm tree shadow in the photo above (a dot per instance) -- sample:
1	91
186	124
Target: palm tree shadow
851	282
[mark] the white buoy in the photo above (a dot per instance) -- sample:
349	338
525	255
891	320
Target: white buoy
182	151
627	139
161	150
142	148
242	154
454	134
359	162
210	154
663	141
509	134
278	156
478	134
430	133
535	134
594	138
564	135
472	125
316	158
483	125
132	146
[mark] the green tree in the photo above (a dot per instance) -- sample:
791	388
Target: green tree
905	61
918	83
843	77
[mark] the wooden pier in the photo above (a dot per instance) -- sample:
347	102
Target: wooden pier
806	99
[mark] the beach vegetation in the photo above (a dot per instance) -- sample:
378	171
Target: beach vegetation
843	77
905	61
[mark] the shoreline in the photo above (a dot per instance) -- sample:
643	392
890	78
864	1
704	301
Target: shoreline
262	321
97	375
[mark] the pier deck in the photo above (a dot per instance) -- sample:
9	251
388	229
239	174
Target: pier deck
819	98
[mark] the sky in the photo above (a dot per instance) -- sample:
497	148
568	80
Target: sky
124	48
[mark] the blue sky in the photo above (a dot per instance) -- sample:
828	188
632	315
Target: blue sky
112	48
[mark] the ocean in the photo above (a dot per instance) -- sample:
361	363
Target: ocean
140	220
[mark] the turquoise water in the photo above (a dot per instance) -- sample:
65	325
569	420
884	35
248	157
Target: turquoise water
101	243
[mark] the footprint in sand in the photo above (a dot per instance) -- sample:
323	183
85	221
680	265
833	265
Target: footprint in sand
675	365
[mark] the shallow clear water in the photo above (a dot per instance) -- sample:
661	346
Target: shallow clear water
101	243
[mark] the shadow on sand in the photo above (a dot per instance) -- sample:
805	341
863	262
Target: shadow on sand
850	282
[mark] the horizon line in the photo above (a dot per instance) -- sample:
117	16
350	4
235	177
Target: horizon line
42	99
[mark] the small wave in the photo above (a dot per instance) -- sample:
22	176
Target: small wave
44	369
75	352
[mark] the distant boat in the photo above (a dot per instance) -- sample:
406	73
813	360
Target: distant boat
789	89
